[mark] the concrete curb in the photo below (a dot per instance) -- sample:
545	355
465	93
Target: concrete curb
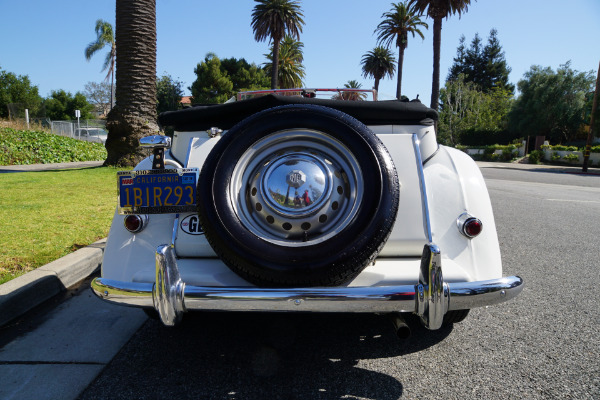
30	290
50	167
563	169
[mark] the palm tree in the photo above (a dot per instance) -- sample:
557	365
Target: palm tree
272	19
104	37
398	23
378	63
290	69
134	115
436	10
350	95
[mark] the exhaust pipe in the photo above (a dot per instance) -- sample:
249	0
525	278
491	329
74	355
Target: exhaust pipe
400	327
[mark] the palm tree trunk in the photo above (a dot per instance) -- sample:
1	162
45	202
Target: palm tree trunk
275	69
400	63
437	44
376	86
134	115
112	89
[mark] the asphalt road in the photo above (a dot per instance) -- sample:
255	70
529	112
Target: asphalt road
544	344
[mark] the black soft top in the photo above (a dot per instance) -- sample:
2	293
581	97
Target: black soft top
225	116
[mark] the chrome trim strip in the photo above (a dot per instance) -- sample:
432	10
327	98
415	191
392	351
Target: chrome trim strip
175	230
425	203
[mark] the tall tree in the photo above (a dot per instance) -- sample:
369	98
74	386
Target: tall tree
134	115
290	69
468	113
104	37
17	89
377	64
217	79
99	95
272	19
61	105
245	75
497	70
212	84
485	66
437	10
168	93
351	95
551	103
397	24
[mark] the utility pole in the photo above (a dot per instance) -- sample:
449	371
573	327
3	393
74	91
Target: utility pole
588	145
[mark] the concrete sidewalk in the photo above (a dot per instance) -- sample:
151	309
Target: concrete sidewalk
57	353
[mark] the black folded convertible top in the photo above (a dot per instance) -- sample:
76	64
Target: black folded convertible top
226	115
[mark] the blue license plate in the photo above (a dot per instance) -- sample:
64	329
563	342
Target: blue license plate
157	191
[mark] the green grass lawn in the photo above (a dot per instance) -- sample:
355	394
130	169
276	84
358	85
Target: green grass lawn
46	215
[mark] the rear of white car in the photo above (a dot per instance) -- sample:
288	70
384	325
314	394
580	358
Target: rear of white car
301	204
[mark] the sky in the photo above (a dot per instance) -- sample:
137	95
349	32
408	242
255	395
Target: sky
45	40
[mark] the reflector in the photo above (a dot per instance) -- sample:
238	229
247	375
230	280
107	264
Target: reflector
134	223
473	227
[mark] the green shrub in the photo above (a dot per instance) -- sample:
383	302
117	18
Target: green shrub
555	156
571	157
535	156
560	147
595	149
507	153
19	147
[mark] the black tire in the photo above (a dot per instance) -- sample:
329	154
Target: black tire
317	256
454	317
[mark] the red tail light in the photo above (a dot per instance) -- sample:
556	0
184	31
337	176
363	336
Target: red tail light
135	223
468	225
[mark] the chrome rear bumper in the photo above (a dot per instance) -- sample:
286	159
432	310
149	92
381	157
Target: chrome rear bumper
430	298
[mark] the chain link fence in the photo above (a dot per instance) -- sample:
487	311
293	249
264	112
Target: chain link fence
90	130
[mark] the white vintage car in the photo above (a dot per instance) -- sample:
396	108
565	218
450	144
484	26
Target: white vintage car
289	202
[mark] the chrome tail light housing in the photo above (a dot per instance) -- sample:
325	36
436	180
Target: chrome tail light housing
469	225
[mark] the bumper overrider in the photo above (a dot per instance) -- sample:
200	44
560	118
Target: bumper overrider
430	298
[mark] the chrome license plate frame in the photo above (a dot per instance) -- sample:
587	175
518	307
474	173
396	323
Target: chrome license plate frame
157	191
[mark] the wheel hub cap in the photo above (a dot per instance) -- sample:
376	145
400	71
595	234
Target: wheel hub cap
296	184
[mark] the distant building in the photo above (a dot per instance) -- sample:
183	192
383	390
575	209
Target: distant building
101	110
186	101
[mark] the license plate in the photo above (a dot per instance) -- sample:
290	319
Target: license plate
161	191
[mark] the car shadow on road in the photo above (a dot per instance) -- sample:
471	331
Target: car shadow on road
260	356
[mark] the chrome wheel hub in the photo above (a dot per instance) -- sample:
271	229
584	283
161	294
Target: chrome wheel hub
291	192
296	187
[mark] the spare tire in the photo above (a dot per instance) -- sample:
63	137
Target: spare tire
298	195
